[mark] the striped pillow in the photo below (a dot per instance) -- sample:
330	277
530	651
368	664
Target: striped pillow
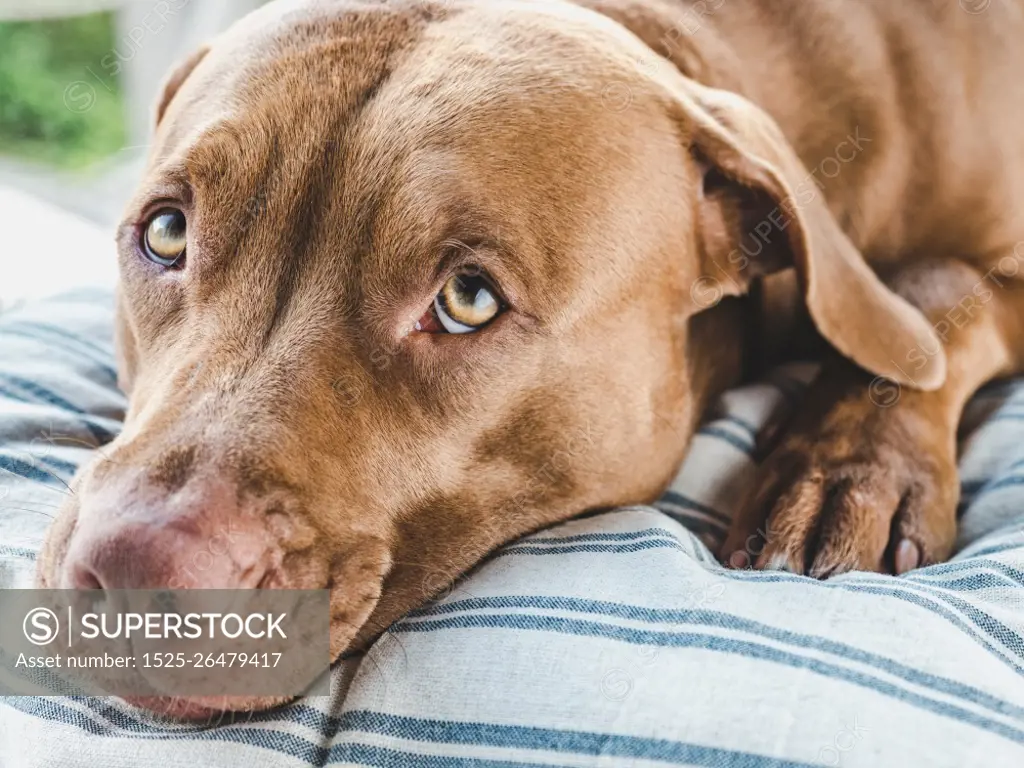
611	640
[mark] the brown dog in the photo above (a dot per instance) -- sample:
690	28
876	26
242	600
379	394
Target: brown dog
407	280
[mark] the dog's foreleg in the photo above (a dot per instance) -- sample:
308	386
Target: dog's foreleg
866	478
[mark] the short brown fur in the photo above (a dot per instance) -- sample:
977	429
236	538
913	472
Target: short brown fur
638	181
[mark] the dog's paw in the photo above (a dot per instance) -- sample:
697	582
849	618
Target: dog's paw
853	486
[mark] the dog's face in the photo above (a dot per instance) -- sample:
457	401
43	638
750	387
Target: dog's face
403	283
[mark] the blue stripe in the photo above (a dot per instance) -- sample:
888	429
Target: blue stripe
996	485
769	577
28	471
928	575
1001	576
745	648
16	397
284	743
41	393
947	575
980	619
106	370
60	465
719	620
51	338
297	713
624	536
44	395
1001	417
980	484
677	499
362	754
974	491
892	588
103	355
575	742
995	628
751	429
745	447
22	552
973	582
692	521
434	731
706	531
996	549
636	546
53	462
970	487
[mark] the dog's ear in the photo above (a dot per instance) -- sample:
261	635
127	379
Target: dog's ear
761	211
174	81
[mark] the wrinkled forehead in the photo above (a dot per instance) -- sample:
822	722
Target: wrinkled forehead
517	110
486	111
392	77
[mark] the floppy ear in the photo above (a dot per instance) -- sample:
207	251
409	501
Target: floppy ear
761	212
178	76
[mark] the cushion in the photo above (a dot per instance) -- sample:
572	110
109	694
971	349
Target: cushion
614	639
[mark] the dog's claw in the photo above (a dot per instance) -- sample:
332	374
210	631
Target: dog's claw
850	487
738	560
908	557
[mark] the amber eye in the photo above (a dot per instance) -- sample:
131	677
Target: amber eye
165	236
466	303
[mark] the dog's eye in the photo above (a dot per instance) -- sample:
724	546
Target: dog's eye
465	303
164	238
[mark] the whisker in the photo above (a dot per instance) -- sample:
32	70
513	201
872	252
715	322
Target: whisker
48	486
387	635
54	475
34	503
31	511
57	439
107	458
376	665
368	653
63	440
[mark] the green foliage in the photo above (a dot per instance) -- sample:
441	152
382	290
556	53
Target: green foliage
57	103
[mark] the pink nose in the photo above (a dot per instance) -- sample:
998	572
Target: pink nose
160	557
201	539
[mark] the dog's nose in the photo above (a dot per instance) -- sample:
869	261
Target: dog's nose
156	557
203	542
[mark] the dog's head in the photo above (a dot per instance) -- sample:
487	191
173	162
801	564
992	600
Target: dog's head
407	280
